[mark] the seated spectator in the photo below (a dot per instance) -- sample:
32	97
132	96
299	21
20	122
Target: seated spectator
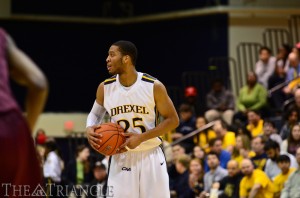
283	55
292	143
255	183
204	136
277	97
272	149
181	186
220	103
178	150
270	132
229	186
53	166
265	67
215	173
292	73
291	118
196	182
242	149
291	187
223	155
252	96
255	123
198	153
187	125
260	158
227	137
97	187
283	162
78	170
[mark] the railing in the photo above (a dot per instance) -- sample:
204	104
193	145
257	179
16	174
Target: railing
275	37
294	28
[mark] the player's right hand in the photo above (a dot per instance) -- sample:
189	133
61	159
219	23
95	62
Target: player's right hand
94	139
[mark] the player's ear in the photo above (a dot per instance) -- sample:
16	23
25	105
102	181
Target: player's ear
125	59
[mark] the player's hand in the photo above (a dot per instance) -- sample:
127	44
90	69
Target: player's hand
93	138
132	141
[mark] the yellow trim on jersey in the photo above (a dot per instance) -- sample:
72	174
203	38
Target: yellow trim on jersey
148	78
110	79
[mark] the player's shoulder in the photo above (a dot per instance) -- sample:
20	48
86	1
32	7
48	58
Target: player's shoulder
148	78
110	80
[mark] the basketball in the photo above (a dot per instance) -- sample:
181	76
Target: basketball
112	138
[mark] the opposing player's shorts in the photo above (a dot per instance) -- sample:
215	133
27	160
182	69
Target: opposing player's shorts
20	172
138	174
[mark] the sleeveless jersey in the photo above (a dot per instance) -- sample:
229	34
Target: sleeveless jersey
7	101
133	107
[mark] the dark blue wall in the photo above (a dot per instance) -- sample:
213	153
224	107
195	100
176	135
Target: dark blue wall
73	55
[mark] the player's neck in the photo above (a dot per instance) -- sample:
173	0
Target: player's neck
128	78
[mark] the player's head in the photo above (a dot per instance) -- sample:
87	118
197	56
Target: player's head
127	48
120	54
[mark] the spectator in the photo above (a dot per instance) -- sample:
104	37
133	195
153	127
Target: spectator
252	96
292	143
291	187
260	157
227	137
291	118
272	149
187	124
196	182
229	186
265	67
277	97
293	72
242	149
97	187
182	187
78	171
40	137
255	183
255	123
283	55
220	103
53	167
215	174
178	150
204	136
198	153
223	155
283	162
270	132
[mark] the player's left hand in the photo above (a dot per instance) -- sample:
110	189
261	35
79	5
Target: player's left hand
132	141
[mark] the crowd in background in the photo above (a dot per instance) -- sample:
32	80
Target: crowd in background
248	152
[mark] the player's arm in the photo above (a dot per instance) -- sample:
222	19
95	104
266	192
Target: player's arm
95	118
26	73
166	108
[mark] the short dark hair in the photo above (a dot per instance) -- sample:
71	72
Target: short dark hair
265	48
212	141
270	144
185	108
270	123
213	153
127	48
283	158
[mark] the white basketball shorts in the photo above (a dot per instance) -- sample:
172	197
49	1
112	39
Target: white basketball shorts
138	174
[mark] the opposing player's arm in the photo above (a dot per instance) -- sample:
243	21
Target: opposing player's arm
95	117
26	73
166	109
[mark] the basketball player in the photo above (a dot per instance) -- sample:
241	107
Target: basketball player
20	172
134	100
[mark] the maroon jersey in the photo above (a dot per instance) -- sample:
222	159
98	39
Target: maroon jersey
20	172
7	101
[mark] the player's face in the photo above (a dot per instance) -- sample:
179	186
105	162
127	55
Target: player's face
114	60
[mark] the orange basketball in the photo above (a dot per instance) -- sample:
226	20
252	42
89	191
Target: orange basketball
112	138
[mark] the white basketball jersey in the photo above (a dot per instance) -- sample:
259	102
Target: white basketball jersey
133	107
